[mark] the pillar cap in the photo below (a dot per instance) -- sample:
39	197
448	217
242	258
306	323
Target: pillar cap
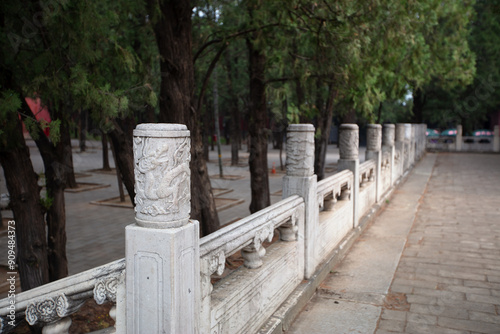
161	130
301	127
349	126
375	126
389	126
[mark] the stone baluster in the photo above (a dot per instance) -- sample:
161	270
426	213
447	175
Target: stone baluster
300	180
496	139
374	151
349	159
400	147
458	139
388	145
162	247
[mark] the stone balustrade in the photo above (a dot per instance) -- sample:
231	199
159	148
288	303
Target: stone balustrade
168	286
461	143
49	306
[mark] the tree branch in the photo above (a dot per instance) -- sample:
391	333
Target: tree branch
234	35
208	74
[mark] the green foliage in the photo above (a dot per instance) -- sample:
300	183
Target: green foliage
46	202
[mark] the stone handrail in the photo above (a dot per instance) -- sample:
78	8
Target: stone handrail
331	188
50	305
248	234
367	171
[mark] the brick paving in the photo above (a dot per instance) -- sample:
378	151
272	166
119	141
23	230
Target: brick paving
449	271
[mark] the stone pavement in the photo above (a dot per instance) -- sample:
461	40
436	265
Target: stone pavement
430	263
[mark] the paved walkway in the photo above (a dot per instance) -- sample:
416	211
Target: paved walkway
430	263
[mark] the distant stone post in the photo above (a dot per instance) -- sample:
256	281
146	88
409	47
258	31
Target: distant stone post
349	159
301	180
407	150
496	139
374	151
413	144
422	140
400	147
458	139
388	135
162	247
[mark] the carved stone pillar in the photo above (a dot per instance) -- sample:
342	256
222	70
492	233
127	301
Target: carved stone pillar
423	139
162	248
496	139
349	159
388	137
374	151
407	150
300	180
400	148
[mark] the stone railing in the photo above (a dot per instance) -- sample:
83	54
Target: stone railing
176	282
460	143
252	293
49	306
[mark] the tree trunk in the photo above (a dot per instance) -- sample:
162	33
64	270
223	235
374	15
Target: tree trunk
177	105
56	223
418	105
105	151
64	150
58	164
206	130
121	136
25	202
83	129
259	178
324	126
234	126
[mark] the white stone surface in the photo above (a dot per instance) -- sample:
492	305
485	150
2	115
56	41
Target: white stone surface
163	287
349	141
162	175
300	180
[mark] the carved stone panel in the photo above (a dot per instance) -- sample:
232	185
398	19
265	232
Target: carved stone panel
51	309
162	175
374	137
349	141
300	150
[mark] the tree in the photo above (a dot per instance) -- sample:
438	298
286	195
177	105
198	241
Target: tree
178	104
22	184
73	49
469	104
447	61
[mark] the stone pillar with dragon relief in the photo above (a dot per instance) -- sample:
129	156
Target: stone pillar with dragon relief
349	159
374	151
162	247
301	180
